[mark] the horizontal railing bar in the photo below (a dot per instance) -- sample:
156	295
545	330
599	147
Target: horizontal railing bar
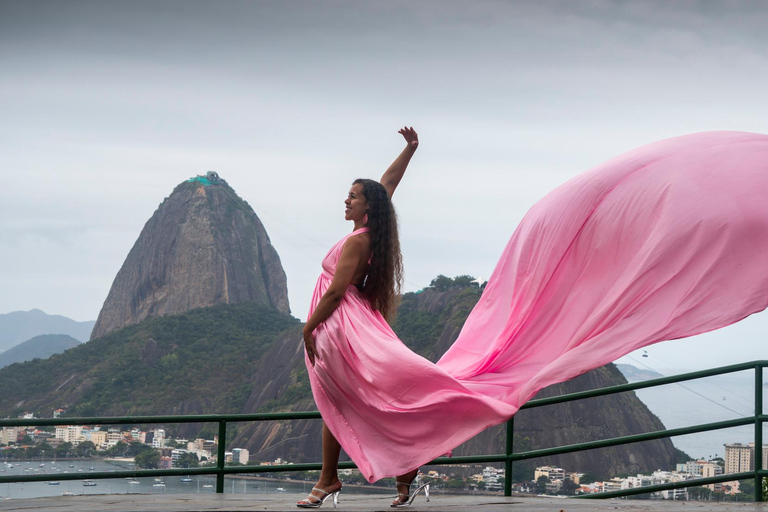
149	473
467	459
617	441
101	475
621	388
284	468
694	482
137	420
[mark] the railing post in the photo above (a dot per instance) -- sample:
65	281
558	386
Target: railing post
221	456
508	461
758	432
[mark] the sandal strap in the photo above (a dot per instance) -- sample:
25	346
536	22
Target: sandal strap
312	499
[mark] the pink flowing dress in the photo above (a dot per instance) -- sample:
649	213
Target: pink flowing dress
663	242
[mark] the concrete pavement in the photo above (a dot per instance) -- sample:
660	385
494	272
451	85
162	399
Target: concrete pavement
355	503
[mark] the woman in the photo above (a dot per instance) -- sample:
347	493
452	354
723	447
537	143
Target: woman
656	244
362	277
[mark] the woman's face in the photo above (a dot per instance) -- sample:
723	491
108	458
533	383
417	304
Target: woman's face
356	204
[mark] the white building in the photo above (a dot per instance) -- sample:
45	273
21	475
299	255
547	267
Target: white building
176	453
708	470
241	455
554	486
690	468
675	494
493	478
114	436
633	482
614	484
550	472
158	441
70	434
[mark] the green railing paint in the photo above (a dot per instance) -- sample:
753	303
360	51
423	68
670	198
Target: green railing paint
758	432
509	453
508	458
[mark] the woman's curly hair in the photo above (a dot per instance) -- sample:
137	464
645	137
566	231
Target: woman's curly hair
385	277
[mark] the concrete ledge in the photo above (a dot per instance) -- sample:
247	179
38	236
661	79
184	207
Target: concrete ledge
354	503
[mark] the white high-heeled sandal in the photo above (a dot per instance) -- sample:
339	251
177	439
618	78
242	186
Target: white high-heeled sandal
411	496
313	501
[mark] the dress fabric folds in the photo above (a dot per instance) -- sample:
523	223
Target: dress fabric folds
663	242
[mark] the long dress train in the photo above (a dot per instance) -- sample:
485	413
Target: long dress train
663	242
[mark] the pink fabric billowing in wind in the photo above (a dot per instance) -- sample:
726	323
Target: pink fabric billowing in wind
663	242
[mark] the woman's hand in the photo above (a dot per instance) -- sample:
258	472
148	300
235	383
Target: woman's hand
309	346
410	135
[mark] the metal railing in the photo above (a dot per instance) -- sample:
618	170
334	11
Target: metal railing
508	458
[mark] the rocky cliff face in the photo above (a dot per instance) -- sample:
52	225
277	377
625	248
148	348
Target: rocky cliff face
203	246
281	384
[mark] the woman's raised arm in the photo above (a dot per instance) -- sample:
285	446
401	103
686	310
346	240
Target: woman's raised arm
392	176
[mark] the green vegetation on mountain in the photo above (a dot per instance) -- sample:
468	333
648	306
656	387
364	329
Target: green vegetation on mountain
39	347
420	328
201	361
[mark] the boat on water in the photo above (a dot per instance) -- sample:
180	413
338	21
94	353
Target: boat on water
67	493
159	484
186	479
208	486
281	489
132	481
89	483
54	483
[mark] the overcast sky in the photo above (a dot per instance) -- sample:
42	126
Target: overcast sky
106	106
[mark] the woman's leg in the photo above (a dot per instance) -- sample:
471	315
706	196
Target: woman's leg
329	475
404	486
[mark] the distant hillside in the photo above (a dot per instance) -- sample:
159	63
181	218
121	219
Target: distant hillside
199	362
634	374
20	326
39	347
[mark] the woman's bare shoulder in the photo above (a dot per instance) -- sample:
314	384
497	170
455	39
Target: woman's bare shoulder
359	244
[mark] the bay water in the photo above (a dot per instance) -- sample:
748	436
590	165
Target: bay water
172	484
